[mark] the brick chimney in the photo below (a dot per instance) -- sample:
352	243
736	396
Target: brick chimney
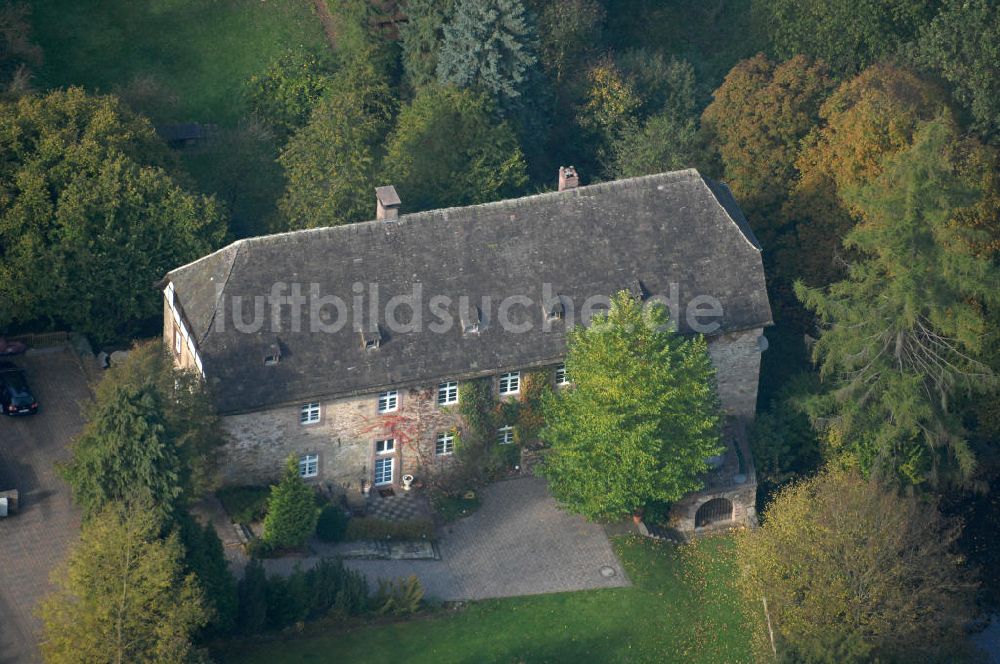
386	203
568	178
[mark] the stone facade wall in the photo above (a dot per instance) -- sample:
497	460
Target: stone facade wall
736	357
344	438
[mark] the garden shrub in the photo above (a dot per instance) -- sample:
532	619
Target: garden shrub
368	528
332	524
276	602
399	597
244	504
251	616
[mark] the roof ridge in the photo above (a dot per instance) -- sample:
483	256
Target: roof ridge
686	174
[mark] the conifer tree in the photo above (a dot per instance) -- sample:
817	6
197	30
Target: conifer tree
903	332
122	596
488	45
291	510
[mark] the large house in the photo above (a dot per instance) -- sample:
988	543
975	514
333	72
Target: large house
346	345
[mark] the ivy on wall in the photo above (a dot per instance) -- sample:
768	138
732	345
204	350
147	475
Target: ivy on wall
484	413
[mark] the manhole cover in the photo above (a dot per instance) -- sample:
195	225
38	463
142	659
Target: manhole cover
607	571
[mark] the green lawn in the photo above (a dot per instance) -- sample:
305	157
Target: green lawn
682	608
192	58
200	50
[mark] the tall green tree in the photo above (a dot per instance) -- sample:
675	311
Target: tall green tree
330	163
125	451
640	419
610	113
902	334
569	33
291	510
866	119
90	215
449	148
489	46
962	44
422	36
289	88
122	595
854	572
205	558
849	35
152	432
756	122
664	143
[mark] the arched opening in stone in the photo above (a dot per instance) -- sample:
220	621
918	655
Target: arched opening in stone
717	510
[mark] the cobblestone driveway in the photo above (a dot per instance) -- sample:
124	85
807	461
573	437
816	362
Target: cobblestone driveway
34	541
518	543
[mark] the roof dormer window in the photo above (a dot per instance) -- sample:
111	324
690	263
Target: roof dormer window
555	310
637	290
472	319
371	340
272	356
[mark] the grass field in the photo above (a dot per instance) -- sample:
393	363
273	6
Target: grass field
682	608
200	50
192	58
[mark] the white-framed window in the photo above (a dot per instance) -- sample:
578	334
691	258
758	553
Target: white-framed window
448	393
445	444
388	401
386	446
383	471
309	465
561	377
510	383
309	413
505	435
178	338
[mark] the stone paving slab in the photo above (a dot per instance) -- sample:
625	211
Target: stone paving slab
403	506
518	543
35	541
378	550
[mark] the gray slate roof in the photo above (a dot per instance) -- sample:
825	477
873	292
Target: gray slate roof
676	227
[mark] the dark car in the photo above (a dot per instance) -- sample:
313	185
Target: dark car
12	347
15	395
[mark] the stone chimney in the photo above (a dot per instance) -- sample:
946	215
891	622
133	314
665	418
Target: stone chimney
568	179
387	203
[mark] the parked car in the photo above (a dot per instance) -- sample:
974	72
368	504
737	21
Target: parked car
15	395
12	347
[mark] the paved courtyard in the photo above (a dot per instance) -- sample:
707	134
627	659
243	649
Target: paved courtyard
518	543
35	541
